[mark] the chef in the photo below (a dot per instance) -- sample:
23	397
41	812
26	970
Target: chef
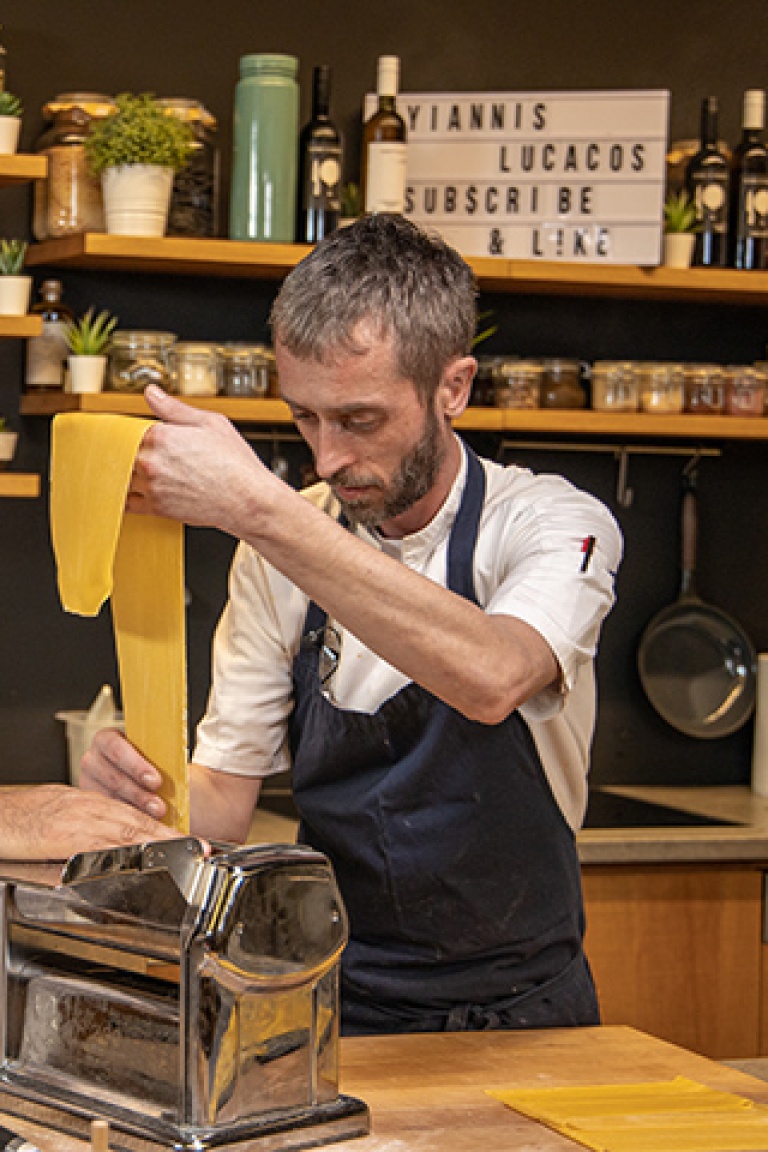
414	636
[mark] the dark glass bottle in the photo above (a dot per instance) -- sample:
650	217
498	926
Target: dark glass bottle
749	188
707	180
383	174
320	164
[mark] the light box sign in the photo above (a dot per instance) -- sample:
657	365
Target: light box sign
570	176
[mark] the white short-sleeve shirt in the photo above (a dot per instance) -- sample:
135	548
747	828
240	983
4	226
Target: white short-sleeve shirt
546	553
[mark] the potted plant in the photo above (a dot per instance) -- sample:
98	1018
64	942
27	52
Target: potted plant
136	151
679	229
15	287
88	340
8	441
10	122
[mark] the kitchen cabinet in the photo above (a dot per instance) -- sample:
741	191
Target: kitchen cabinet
676	950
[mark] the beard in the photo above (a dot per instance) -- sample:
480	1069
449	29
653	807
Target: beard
412	480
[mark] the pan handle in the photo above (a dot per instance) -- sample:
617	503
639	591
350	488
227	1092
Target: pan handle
688	535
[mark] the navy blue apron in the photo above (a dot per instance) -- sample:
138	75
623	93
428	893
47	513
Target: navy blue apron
457	868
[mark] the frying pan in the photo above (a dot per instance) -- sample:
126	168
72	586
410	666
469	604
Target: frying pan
697	666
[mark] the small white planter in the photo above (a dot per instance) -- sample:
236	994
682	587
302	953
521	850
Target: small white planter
86	373
8	441
10	128
15	292
136	199
678	249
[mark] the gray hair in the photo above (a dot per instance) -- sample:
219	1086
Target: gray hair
408	284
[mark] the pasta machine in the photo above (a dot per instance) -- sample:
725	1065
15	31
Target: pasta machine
190	1001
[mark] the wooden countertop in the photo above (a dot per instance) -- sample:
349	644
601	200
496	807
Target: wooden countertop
427	1093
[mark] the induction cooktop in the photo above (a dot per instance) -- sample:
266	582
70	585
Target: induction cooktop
608	810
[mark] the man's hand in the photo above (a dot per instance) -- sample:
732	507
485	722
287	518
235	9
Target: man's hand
113	767
54	821
195	467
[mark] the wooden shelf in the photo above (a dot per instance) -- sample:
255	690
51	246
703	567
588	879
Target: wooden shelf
536	421
21	168
24	484
233	258
20	325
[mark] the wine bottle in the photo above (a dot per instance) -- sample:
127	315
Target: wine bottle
384	145
707	181
749	188
320	163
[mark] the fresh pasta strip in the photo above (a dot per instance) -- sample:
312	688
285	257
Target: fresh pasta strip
102	551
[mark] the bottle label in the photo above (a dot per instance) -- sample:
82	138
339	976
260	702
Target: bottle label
386	176
46	356
322	183
753	208
710	196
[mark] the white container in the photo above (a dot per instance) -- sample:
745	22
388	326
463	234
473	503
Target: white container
136	199
10	128
760	742
86	373
15	293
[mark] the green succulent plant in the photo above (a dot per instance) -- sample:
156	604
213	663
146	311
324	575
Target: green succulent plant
140	131
90	335
12	256
10	105
679	213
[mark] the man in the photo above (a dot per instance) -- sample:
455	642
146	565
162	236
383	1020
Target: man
414	636
54	821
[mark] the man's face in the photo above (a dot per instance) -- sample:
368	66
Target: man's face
372	439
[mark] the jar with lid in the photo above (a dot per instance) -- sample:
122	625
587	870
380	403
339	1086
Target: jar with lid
68	201
482	387
662	387
614	386
517	383
744	390
194	209
138	358
194	368
243	369
561	384
704	389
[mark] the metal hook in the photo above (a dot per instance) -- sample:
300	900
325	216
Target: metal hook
624	494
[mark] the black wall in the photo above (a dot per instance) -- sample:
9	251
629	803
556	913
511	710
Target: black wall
51	661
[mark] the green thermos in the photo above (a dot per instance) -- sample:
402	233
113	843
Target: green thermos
265	135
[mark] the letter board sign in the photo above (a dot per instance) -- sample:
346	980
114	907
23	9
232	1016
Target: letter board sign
570	176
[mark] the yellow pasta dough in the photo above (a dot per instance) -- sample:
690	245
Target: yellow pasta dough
103	551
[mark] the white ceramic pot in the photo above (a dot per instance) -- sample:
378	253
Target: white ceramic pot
136	199
15	292
8	442
86	373
678	249
10	128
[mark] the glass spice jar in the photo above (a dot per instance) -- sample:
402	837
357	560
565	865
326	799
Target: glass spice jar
194	209
561	384
517	383
68	201
704	389
662	387
194	368
744	390
138	358
614	386
243	369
